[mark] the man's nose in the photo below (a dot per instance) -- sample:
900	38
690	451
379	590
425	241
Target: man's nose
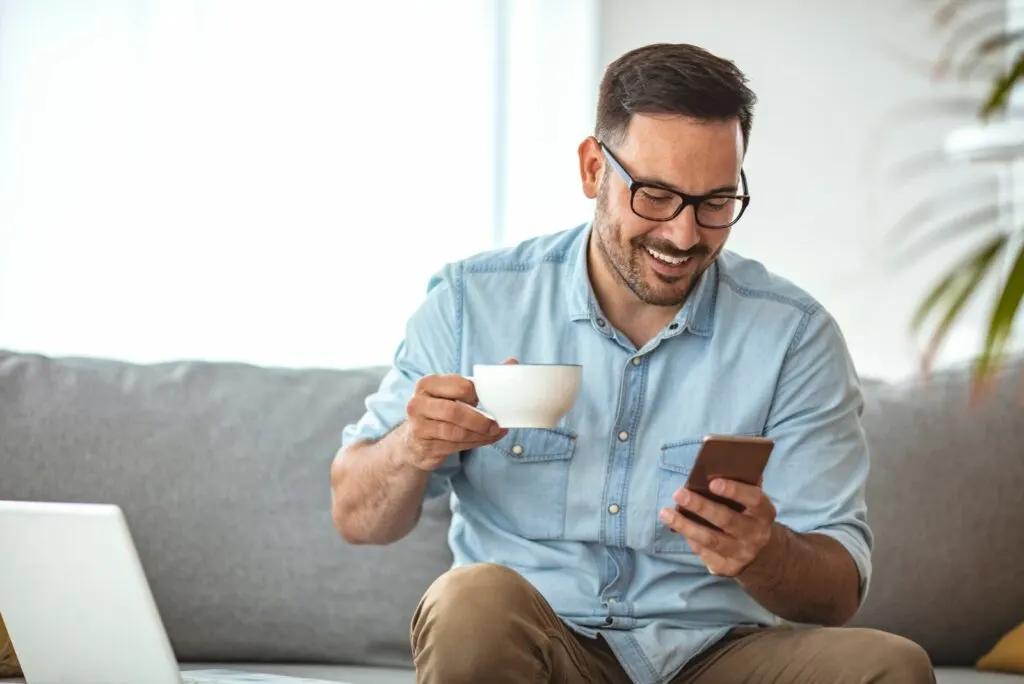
683	230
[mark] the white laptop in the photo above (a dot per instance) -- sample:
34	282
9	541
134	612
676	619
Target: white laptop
77	605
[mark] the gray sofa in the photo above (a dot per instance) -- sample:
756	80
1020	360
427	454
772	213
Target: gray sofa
222	471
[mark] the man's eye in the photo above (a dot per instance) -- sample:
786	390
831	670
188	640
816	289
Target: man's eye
655	197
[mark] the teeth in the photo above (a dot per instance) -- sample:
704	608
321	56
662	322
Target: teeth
667	259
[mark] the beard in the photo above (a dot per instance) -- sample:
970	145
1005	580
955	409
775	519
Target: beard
629	260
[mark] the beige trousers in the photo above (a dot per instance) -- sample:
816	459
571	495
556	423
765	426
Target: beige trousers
485	623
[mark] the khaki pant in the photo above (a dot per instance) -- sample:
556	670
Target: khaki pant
485	623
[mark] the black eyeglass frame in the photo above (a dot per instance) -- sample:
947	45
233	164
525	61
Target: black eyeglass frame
687	200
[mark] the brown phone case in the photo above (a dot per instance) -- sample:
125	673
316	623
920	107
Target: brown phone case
730	457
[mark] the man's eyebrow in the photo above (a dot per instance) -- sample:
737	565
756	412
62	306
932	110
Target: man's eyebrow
668	186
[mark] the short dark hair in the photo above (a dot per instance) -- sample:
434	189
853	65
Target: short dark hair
667	78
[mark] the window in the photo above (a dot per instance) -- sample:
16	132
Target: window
271	181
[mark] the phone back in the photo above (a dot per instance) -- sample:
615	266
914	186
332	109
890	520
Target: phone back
730	457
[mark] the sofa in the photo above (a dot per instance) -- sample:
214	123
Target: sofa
222	472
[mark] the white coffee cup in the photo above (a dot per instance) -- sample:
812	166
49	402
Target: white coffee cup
524	395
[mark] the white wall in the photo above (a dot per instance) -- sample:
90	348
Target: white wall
828	79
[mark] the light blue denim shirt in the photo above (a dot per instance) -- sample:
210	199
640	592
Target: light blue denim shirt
575	510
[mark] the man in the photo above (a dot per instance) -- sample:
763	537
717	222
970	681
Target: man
572	565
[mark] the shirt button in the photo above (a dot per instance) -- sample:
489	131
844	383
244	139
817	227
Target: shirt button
608	620
613	509
517	450
623	436
636	361
673	326
600	322
611	600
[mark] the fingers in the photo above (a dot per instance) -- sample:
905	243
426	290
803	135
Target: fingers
733	523
453	420
703	536
452	386
740	492
758	505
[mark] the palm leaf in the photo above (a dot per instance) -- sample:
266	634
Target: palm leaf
949	9
952	292
999	96
949	229
994	43
953	108
1004	313
967	32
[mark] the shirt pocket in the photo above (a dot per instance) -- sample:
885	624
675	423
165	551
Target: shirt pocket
525	476
674	464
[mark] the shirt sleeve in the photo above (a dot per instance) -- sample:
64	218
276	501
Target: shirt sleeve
430	346
819	467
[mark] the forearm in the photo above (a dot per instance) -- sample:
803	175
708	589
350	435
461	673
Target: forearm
806	578
376	495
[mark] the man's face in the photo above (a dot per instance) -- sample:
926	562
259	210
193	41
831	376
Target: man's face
661	261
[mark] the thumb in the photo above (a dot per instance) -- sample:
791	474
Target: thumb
510	361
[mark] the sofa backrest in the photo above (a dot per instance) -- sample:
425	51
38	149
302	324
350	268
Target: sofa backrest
222	470
223	473
946	504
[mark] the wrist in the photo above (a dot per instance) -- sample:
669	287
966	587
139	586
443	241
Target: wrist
767	567
400	450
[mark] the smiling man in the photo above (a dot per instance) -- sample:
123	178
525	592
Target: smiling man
572	561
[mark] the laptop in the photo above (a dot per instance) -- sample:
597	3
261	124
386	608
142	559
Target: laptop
77	605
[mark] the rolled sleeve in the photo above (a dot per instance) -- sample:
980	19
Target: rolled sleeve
430	346
819	469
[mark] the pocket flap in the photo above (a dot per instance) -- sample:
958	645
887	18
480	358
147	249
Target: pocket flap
537	444
680	456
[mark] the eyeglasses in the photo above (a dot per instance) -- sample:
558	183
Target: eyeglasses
657	203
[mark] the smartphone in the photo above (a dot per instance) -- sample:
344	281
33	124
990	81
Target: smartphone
730	457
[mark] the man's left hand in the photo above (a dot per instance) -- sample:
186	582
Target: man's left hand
743	535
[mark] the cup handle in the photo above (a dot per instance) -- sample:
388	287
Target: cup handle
483	413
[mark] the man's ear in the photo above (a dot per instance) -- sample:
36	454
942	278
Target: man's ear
591	166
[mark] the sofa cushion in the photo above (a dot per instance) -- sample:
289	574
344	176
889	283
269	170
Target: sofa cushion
946	503
1008	653
223	473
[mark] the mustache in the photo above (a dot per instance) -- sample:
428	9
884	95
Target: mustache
668	249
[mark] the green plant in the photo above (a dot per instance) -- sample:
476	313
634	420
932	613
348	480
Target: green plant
980	51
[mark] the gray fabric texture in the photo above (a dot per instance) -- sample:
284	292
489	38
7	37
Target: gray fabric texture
946	504
222	470
223	473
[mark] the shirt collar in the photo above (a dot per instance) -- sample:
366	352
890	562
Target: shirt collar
697	315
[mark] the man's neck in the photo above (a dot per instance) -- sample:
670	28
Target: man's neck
637	320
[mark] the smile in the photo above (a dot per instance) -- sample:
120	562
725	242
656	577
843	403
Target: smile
664	258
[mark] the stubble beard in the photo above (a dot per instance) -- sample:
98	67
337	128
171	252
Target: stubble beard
626	262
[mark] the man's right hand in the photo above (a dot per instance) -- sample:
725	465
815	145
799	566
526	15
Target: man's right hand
441	420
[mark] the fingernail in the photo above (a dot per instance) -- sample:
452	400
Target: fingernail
666	515
718	487
683	498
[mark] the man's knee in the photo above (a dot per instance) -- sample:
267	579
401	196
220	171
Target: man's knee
474	599
891	658
477	620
